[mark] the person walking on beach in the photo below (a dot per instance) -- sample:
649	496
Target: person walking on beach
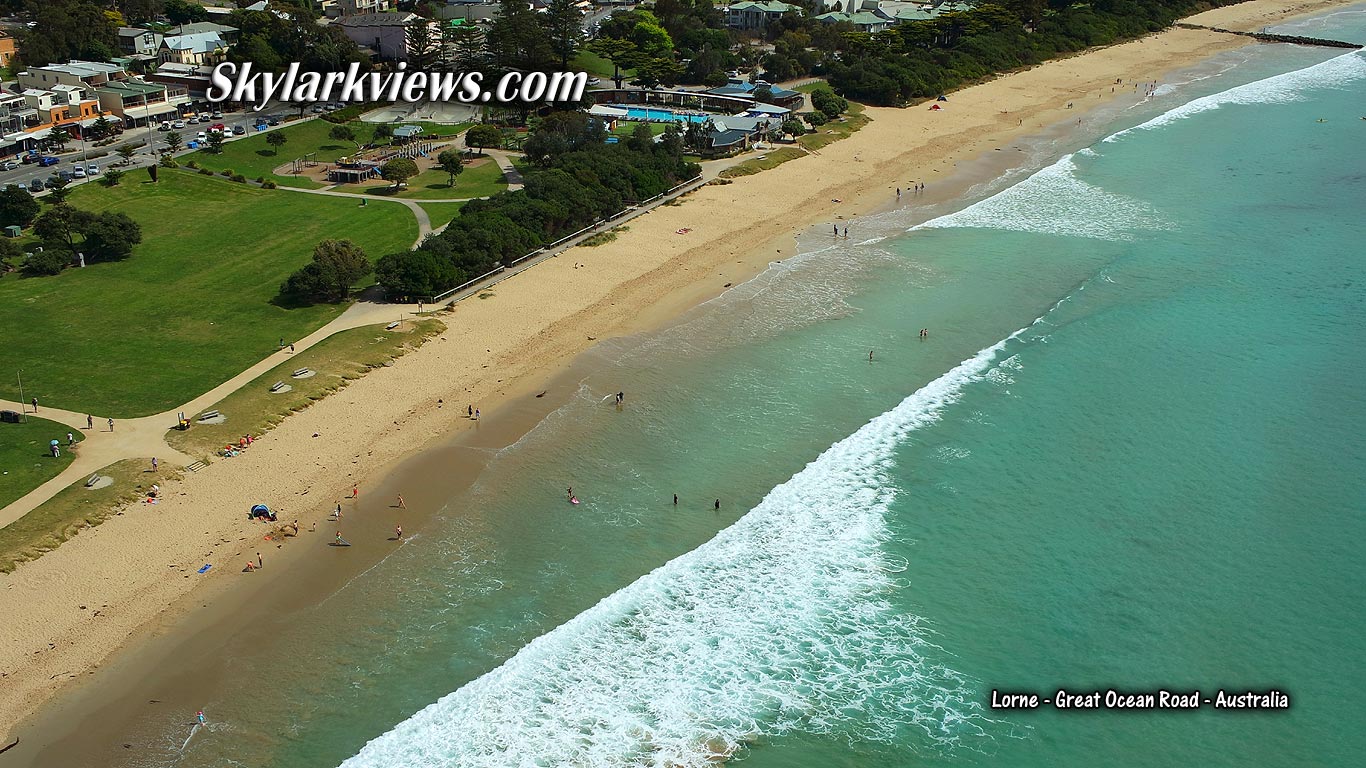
339	540
401	505
675	499
836	227
111	425
355	491
898	193
398	532
476	414
620	396
717	505
870	355
337	512
154	463
470	409
259	562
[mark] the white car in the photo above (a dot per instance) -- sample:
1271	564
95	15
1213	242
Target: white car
92	169
78	172
177	125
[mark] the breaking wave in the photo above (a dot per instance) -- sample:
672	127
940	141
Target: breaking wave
779	624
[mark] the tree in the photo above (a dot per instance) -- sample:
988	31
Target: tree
483	136
46	262
450	162
101	128
126	151
423	44
17	207
57	190
63	30
108	236
828	102
398	170
416	273
384	131
58	137
657	71
58	227
516	40
336	266
276	139
215	142
173	141
467	43
793	127
10	252
184	12
112	177
622	53
563	23
343	133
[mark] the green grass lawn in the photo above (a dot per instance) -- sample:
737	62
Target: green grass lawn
625	127
441	213
595	65
252	157
768	160
481	179
337	360
839	128
25	462
191	307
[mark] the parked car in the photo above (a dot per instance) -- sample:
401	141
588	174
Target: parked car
178	125
238	130
318	109
8	165
68	176
192	119
92	169
45	161
219	127
201	137
595	81
273	119
218	115
36	185
165	125
78	172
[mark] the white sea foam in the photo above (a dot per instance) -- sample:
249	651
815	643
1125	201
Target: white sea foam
1285	88
1056	201
778	624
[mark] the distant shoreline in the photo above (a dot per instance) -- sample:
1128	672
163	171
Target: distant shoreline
495	355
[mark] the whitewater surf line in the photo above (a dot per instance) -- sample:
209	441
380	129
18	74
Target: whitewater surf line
778	624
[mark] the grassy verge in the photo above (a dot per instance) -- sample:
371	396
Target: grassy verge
337	360
595	65
192	306
764	162
602	238
839	128
74	508
25	460
442	213
482	178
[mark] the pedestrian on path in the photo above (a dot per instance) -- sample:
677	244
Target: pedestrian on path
111	425
35	405
89	421
291	349
70	439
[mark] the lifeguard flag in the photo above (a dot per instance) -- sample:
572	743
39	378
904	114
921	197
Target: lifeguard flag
152	171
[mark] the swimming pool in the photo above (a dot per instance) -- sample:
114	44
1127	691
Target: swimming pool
662	116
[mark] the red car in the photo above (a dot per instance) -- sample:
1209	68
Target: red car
219	127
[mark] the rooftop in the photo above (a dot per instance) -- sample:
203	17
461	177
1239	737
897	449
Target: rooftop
199	42
82	68
377	20
130	87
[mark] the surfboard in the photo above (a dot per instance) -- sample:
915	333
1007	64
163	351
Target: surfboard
206	567
573	501
193	731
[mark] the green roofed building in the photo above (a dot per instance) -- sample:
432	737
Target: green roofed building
756	15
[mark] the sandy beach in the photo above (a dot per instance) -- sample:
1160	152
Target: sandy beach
133	578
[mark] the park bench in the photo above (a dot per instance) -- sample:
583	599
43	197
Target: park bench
277	386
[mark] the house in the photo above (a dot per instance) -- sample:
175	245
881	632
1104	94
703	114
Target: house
7	48
336	9
756	15
737	133
470	10
206	45
83	74
863	21
138	42
194	79
384	33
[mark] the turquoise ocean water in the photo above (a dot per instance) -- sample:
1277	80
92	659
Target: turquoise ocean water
1129	455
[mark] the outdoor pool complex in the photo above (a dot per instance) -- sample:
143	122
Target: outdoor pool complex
663	116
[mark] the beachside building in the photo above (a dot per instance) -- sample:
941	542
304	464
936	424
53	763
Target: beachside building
384	33
737	88
863	21
469	10
194	79
753	15
138	102
737	133
196	48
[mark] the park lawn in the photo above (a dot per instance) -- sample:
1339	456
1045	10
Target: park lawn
482	178
337	360
625	127
192	306
595	65
252	157
25	460
442	213
73	508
